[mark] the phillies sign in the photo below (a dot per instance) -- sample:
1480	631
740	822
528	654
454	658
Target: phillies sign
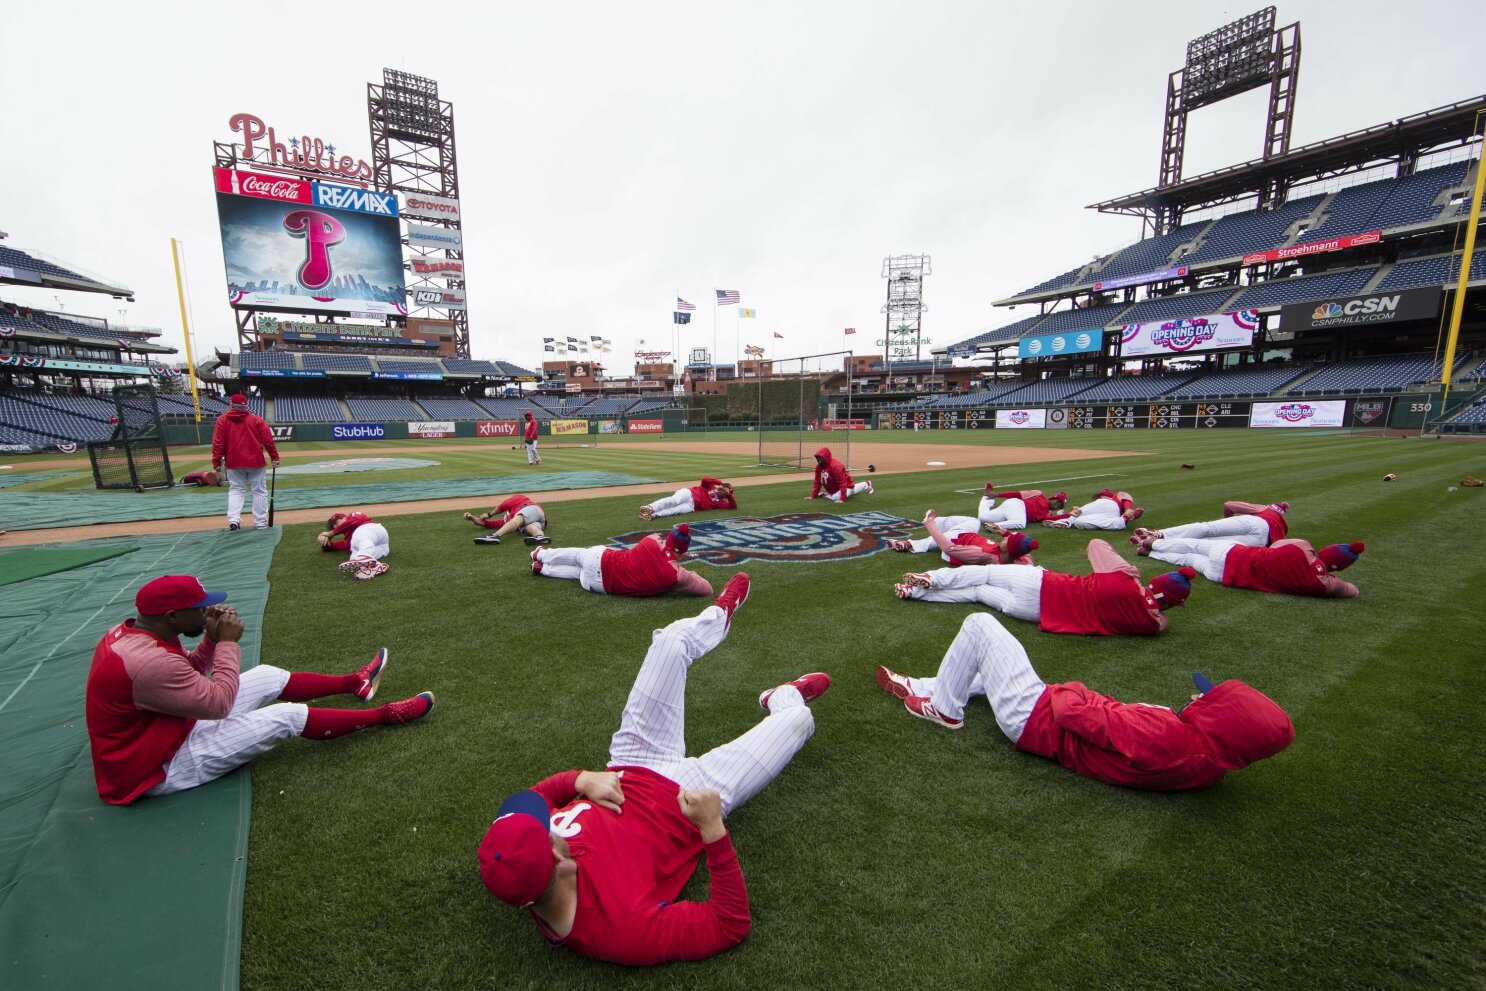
301	153
800	538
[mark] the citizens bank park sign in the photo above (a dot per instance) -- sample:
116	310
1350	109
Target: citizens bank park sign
802	538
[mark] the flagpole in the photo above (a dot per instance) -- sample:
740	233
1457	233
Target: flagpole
715	304
737	350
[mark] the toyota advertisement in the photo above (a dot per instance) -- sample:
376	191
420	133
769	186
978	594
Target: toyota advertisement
1209	333
302	246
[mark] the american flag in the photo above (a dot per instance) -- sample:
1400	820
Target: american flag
849	330
778	335
728	297
682	304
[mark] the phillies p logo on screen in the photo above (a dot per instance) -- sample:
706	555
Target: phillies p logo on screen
320	232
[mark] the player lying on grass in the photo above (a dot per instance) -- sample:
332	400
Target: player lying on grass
358	535
516	512
1108	511
1287	567
959	542
1249	523
1224	728
201	479
161	720
1110	602
709	493
651	567
1018	508
599	857
832	480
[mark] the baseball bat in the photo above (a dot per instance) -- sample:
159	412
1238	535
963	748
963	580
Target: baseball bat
273	485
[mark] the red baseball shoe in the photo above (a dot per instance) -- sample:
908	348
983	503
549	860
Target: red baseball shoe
734	594
371	676
924	709
408	710
893	683
811	687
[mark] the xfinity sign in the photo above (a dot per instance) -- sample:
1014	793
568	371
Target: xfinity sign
352	198
1411	304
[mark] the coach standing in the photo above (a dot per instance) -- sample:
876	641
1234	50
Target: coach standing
238	441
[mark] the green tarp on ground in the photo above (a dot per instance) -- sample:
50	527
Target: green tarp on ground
91	895
39	510
33	562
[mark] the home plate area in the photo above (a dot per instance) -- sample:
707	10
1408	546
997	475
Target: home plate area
809	538
356	464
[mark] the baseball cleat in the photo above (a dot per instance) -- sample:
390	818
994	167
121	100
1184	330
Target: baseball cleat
903	546
1132	514
346	567
408	710
234	526
734	594
537	541
489	538
918	579
370	571
811	687
869	486
646	513
893	683
536	562
990	488
924	709
902	591
371	676
1058	524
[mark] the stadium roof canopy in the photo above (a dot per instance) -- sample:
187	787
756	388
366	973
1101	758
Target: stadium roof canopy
1393	141
32	268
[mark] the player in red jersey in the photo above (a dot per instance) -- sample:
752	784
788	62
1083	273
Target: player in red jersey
1287	567
1250	523
1110	510
1110	602
1136	745
833	481
709	493
516	512
529	437
1018	508
598	857
959	542
201	479
361	537
651	567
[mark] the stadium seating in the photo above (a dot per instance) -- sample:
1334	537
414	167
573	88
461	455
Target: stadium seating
1240	233
383	409
607	407
35	414
1006	334
647	406
1078	319
1068	278
1133	388
512	409
336	362
1413	200
1150	255
1472	416
1437	271
308	409
256	360
465	366
1254	381
1388	373
506	368
1349	211
12	258
1178	307
410	366
177	405
452	409
1281	291
1048	391
256	405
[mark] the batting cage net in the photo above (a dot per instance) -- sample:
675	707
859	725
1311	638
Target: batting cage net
794	397
135	456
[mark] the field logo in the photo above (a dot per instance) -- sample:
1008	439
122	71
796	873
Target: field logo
1295	412
810	538
1183	335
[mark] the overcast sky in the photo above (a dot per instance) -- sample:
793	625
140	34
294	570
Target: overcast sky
612	156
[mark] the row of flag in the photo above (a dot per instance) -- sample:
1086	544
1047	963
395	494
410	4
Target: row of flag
574	345
725	297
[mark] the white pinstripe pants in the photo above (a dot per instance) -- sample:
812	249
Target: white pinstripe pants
951	527
582	563
986	660
1251	531
652	730
250	730
1101	514
673	505
1013	590
1010	515
841	495
1208	556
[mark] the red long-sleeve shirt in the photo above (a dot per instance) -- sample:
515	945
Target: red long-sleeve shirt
239	439
1111	602
530	430
631	867
340	537
832	476
510	506
707	495
1036	503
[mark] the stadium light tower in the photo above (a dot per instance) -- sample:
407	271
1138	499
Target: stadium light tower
1234	59
904	309
412	138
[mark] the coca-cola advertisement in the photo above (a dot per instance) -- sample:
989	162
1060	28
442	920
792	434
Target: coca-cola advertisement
288	251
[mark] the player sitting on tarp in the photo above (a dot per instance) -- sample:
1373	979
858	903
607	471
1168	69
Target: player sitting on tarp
598	858
361	537
1224	728
516	512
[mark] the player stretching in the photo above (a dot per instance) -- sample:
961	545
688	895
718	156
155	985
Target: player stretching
1287	567
1111	602
959	542
1017	509
516	512
1225	727
364	539
651	567
1109	511
598	857
1247	523
832	476
710	493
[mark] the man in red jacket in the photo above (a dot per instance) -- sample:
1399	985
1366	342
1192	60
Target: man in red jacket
1111	602
161	720
832	477
1286	567
598	858
238	441
516	512
710	493
651	567
529	436
1249	523
1137	745
1018	508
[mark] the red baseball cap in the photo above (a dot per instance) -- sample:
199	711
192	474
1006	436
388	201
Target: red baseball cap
169	593
238	399
516	855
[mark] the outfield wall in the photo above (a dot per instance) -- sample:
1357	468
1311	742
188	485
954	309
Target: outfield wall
1360	413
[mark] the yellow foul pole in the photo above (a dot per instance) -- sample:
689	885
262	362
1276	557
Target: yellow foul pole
180	295
1457	307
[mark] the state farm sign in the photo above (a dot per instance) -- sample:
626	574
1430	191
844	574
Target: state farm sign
495	428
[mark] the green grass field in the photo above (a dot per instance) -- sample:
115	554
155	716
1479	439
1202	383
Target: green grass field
893	853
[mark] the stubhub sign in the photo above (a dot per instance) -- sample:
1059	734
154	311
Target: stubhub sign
357	431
